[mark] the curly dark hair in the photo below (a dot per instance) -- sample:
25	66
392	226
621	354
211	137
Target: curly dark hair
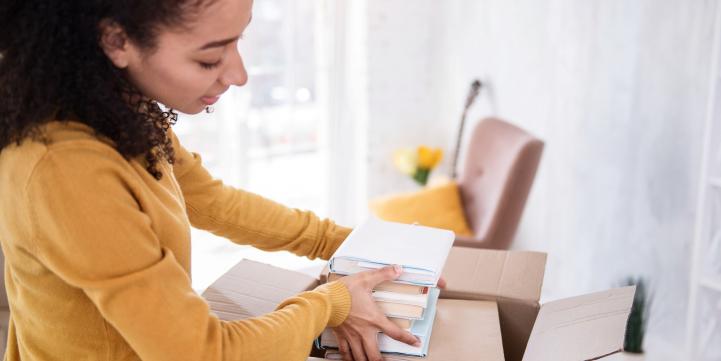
53	68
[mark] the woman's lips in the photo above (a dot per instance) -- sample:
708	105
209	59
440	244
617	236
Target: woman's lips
210	100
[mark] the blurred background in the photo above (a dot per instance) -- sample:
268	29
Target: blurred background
622	93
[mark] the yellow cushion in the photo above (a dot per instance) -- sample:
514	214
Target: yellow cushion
434	206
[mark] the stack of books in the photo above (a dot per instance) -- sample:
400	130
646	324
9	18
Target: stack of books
409	301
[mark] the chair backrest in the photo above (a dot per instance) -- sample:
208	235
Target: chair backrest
498	173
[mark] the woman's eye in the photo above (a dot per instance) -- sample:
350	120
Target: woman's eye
205	65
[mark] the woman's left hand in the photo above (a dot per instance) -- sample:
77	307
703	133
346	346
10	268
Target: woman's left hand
442	283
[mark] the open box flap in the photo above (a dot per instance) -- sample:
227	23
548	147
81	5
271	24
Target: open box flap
252	289
581	328
472	272
511	278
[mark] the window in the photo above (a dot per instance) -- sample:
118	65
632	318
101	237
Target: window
268	137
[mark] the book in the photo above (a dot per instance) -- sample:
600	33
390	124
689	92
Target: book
399	310
421	328
389	286
404	299
403	323
420	250
401	305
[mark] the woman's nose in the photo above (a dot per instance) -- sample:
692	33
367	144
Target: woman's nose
235	72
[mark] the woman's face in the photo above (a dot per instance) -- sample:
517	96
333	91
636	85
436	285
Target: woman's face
191	65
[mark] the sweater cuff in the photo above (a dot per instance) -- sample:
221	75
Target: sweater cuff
341	233
337	235
340	302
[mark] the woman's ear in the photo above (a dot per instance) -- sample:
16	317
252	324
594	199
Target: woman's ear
114	42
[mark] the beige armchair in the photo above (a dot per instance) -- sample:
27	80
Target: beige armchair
500	166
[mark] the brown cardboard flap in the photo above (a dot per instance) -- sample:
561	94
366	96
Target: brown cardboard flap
466	330
517	318
462	330
581	328
252	289
480	273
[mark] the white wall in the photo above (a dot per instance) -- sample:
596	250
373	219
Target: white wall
403	105
617	89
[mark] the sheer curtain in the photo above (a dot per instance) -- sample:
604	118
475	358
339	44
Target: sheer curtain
272	136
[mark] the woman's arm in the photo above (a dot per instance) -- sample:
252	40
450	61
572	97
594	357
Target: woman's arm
88	229
248	218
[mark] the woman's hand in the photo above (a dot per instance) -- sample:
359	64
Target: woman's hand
358	335
442	283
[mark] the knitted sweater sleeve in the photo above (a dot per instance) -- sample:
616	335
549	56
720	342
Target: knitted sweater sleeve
89	229
247	218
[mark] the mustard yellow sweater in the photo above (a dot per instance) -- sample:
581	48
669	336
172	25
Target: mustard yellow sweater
98	257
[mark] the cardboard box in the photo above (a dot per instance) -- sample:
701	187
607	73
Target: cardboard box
579	328
467	328
252	289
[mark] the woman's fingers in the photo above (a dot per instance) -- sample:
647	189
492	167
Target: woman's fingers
397	333
442	283
387	273
343	347
360	330
370	344
356	348
345	350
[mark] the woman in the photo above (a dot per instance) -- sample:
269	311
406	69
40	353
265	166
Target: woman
97	194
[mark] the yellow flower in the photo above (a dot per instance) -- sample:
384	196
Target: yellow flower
428	157
406	160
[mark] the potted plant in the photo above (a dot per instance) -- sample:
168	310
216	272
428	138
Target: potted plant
638	319
418	162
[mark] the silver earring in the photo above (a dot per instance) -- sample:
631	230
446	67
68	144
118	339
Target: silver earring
209	109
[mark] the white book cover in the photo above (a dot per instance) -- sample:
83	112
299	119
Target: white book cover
421	250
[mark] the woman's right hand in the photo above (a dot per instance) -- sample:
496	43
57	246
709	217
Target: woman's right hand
358	334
